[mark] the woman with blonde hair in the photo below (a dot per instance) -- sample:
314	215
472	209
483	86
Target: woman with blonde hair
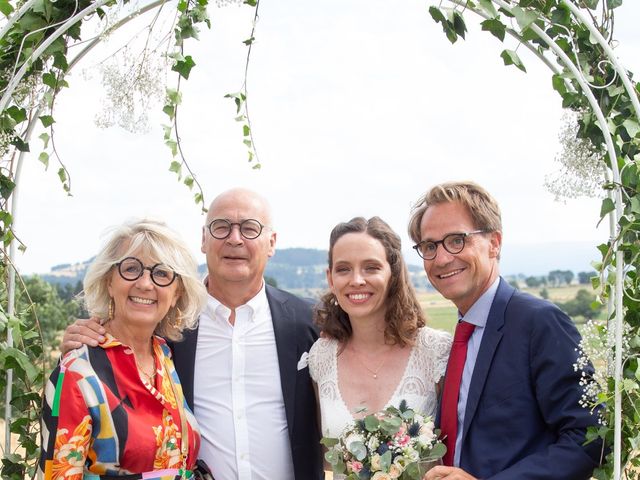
117	410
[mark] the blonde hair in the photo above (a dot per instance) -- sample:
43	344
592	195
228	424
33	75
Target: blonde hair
482	207
161	244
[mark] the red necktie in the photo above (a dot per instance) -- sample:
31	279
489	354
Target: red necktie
449	409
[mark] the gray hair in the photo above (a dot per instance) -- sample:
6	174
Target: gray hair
162	245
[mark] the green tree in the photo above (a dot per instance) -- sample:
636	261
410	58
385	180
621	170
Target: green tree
582	305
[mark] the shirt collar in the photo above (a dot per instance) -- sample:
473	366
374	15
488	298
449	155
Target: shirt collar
255	306
479	311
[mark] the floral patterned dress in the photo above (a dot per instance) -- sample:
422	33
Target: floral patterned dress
101	420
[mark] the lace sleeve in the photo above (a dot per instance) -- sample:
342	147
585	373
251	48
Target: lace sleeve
436	345
320	360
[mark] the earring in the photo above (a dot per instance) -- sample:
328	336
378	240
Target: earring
335	301
179	319
110	314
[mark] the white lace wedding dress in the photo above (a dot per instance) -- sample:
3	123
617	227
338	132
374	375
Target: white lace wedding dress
426	365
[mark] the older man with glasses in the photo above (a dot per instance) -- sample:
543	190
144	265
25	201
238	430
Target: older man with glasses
244	369
510	406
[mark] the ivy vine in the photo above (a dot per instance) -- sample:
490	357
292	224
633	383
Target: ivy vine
35	39
533	23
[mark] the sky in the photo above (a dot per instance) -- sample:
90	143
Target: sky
357	108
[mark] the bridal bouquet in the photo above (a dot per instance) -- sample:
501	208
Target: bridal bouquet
395	443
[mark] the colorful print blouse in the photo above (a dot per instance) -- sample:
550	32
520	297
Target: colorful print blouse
101	419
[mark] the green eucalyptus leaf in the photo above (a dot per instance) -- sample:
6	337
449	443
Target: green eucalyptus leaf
358	450
385	461
329	442
371	423
510	57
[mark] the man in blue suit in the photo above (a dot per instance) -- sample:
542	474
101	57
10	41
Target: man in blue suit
515	412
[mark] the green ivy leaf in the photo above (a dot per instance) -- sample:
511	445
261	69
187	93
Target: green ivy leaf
175	167
44	158
249	41
49	79
47	120
631	126
510	57
20	144
487	6
524	17
614	3
45	139
6	8
184	67
6	186
495	27
591	4
251	3
246	130
458	24
188	181
607	207
18	114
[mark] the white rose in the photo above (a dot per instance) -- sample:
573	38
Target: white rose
395	471
375	463
381	476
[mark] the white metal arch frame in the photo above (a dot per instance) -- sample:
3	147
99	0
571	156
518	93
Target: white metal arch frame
613	170
556	50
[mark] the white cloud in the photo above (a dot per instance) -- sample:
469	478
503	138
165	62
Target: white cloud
357	108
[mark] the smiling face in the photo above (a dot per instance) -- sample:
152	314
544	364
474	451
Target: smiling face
359	276
236	261
141	303
465	276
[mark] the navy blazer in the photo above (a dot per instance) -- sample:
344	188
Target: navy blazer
522	419
295	333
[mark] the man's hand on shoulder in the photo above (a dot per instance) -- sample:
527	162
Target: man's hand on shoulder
447	473
82	332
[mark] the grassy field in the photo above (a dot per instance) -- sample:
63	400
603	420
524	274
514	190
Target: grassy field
442	314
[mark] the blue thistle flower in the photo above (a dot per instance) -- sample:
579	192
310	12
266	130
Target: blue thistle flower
382	448
414	429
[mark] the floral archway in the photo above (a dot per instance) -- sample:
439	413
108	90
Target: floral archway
571	38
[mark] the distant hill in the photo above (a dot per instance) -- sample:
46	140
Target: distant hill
304	268
292	269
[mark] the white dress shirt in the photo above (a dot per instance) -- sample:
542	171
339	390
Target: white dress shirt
238	398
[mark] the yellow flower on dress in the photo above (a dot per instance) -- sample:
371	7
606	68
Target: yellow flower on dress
70	453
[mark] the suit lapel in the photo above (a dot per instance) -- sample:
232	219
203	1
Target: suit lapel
490	340
284	329
184	359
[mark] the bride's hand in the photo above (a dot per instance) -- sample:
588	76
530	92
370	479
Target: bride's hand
447	473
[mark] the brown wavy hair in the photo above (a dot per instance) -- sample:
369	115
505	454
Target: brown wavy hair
403	315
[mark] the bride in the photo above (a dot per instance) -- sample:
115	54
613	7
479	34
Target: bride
375	350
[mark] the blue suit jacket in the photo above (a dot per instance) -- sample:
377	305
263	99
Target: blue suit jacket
522	419
294	333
